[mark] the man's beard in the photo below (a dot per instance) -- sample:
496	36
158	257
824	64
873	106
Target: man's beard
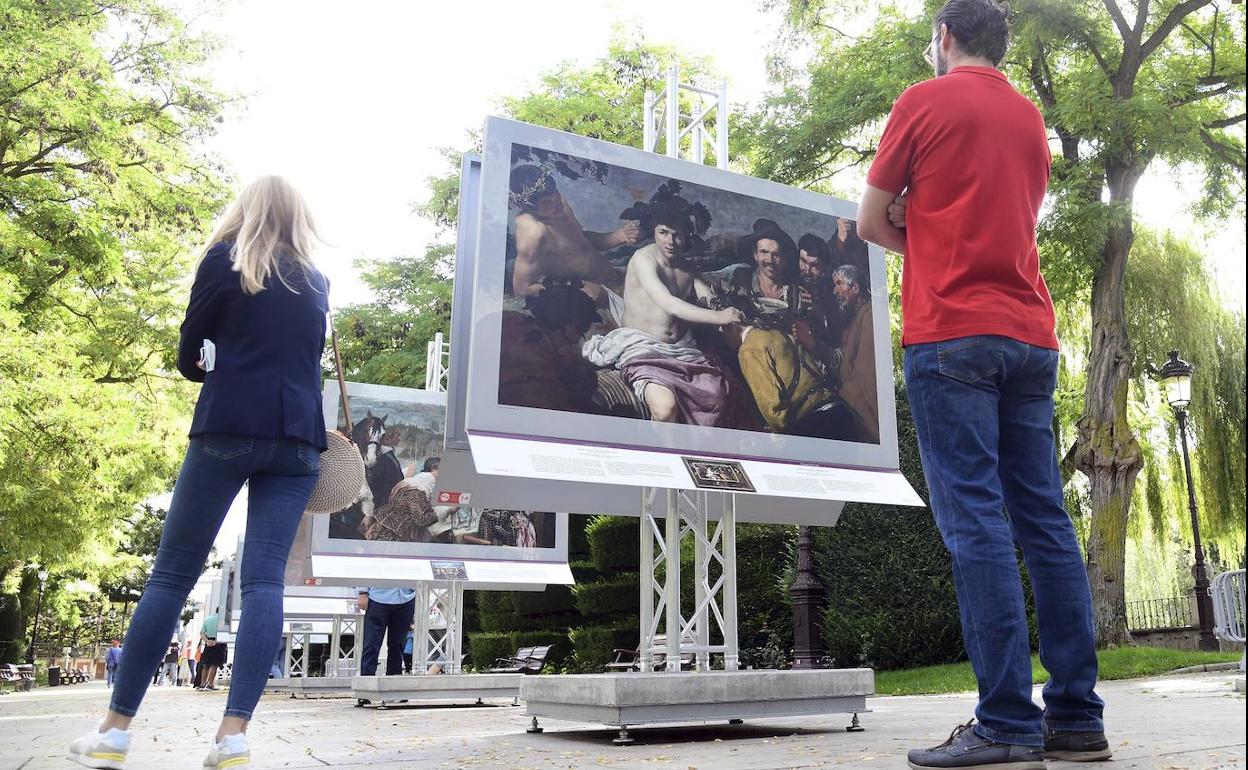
942	64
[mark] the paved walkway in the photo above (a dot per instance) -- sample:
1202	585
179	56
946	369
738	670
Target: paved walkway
1183	722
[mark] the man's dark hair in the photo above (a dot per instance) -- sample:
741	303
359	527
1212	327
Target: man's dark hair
431	465
979	26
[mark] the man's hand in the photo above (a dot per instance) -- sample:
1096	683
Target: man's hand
729	316
362	601
897	212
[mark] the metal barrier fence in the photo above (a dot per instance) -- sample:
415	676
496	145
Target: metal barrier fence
1173	612
1227	591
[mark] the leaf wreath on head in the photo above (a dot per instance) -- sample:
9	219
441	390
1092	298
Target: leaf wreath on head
668	207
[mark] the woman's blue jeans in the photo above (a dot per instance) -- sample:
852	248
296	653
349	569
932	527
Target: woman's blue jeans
280	474
983	408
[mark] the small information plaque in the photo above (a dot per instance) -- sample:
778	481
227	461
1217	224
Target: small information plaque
721	475
449	570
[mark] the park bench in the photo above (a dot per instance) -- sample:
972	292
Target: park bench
527	660
630	660
20	676
9	675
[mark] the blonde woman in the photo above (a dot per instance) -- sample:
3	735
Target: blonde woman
260	300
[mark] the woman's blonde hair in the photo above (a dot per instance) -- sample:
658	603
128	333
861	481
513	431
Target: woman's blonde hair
269	224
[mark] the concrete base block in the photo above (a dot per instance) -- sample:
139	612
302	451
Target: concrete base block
312	686
637	699
391	689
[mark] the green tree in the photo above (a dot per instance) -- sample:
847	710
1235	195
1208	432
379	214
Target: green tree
103	190
1119	95
383	341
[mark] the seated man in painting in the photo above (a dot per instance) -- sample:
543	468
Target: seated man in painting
655	348
552	245
772	256
856	356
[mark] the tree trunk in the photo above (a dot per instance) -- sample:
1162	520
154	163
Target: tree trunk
1106	450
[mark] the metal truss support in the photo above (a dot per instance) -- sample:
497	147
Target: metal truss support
344	654
437	362
664	120
667	633
296	645
439	627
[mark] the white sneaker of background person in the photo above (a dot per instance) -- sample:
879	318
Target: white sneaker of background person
230	752
101	750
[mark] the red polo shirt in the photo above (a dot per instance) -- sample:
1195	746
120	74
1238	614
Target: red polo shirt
974	154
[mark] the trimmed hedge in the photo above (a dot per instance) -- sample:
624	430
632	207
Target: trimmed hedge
765	555
583	571
578	542
891	601
617	595
614	543
487	647
554	600
505	622
593	647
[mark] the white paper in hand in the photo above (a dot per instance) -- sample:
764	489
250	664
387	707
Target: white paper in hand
208	356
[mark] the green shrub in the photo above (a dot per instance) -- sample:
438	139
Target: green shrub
506	622
593	647
614	543
486	647
578	542
554	600
618	595
764	574
891	602
583	571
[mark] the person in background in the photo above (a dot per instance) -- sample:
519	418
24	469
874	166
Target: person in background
260	300
981	360
408	645
169	672
112	659
215	655
186	671
388	614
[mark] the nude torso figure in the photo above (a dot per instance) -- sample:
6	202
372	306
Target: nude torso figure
641	310
560	249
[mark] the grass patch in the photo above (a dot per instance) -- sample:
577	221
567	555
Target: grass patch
1115	663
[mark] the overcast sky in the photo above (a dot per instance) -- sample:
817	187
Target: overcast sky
352	102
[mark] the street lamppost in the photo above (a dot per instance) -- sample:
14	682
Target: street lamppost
34	631
1176	378
808	595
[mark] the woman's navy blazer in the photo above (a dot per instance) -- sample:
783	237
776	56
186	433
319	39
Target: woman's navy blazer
267	378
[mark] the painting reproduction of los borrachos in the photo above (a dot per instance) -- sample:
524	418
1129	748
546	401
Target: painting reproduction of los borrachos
635	295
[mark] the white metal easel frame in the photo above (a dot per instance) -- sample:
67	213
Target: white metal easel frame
687	512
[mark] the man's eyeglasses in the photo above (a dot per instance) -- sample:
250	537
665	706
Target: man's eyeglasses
929	53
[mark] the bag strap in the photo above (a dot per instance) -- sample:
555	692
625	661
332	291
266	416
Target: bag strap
342	383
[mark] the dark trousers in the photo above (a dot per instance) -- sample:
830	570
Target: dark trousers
380	620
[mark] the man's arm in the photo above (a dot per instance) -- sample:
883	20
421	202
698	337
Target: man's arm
526	274
873	220
648	277
628	233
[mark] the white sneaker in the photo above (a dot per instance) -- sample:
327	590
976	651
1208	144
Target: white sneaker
229	753
101	750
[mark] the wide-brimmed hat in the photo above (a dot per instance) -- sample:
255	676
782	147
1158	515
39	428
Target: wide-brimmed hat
766	228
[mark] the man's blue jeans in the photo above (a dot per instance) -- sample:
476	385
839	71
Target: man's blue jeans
280	475
983	408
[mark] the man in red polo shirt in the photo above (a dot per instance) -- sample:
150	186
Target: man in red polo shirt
971	156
